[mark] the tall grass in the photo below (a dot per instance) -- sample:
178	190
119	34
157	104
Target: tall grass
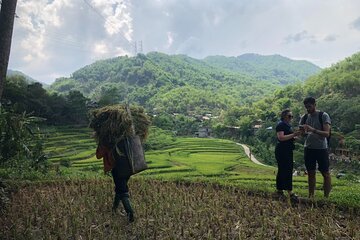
165	210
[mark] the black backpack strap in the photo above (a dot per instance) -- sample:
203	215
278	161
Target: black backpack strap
321	120
304	118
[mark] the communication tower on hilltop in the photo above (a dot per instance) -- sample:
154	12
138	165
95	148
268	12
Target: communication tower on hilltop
141	47
137	49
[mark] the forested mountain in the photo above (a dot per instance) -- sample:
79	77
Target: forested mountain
29	79
274	67
166	85
178	83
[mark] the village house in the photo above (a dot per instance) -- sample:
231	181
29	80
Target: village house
203	132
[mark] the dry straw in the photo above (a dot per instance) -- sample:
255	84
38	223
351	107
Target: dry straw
113	123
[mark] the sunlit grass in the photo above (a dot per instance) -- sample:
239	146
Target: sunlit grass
193	159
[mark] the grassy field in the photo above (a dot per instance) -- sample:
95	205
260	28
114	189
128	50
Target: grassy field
194	189
191	160
80	209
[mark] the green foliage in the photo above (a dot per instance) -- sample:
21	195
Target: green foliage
159	139
20	96
353	144
270	68
233	116
65	162
336	90
179	124
179	83
21	144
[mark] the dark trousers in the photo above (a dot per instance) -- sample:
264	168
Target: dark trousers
284	158
120	181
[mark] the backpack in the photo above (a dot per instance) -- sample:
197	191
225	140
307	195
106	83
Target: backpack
321	122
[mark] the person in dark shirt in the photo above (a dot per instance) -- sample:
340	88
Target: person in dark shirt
284	154
116	161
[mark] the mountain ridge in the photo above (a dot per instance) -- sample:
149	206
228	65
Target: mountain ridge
148	80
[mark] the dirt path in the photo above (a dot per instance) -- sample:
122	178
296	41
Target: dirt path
252	158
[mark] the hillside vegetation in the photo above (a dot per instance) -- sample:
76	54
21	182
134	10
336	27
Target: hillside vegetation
337	90
179	91
273	68
178	83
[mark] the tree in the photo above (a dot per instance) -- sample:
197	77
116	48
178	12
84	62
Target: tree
7	15
77	111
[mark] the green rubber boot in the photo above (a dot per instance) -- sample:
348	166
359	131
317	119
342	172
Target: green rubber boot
128	209
116	203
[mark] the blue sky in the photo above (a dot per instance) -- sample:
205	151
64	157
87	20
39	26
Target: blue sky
53	38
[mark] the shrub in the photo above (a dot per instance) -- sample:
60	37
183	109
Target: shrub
21	143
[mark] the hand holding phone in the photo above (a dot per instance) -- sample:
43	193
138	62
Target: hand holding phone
302	129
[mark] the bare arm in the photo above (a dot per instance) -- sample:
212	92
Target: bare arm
282	137
324	133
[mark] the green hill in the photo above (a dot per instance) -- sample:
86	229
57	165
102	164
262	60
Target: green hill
27	77
274	68
178	83
338	91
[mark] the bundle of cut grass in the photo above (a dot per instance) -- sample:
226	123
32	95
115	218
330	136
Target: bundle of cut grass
113	123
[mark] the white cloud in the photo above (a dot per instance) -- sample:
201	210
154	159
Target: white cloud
117	16
28	58
35	17
64	35
52	12
100	49
34	46
61	36
170	39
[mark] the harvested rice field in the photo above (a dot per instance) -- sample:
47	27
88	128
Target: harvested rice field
165	210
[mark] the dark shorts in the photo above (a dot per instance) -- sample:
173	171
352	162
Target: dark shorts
321	156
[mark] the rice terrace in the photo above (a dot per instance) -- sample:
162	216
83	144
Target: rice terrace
194	188
179	119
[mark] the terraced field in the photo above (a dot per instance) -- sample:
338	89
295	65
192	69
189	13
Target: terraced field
72	145
188	159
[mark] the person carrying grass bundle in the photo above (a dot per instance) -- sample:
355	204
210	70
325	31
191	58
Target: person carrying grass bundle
114	128
284	154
